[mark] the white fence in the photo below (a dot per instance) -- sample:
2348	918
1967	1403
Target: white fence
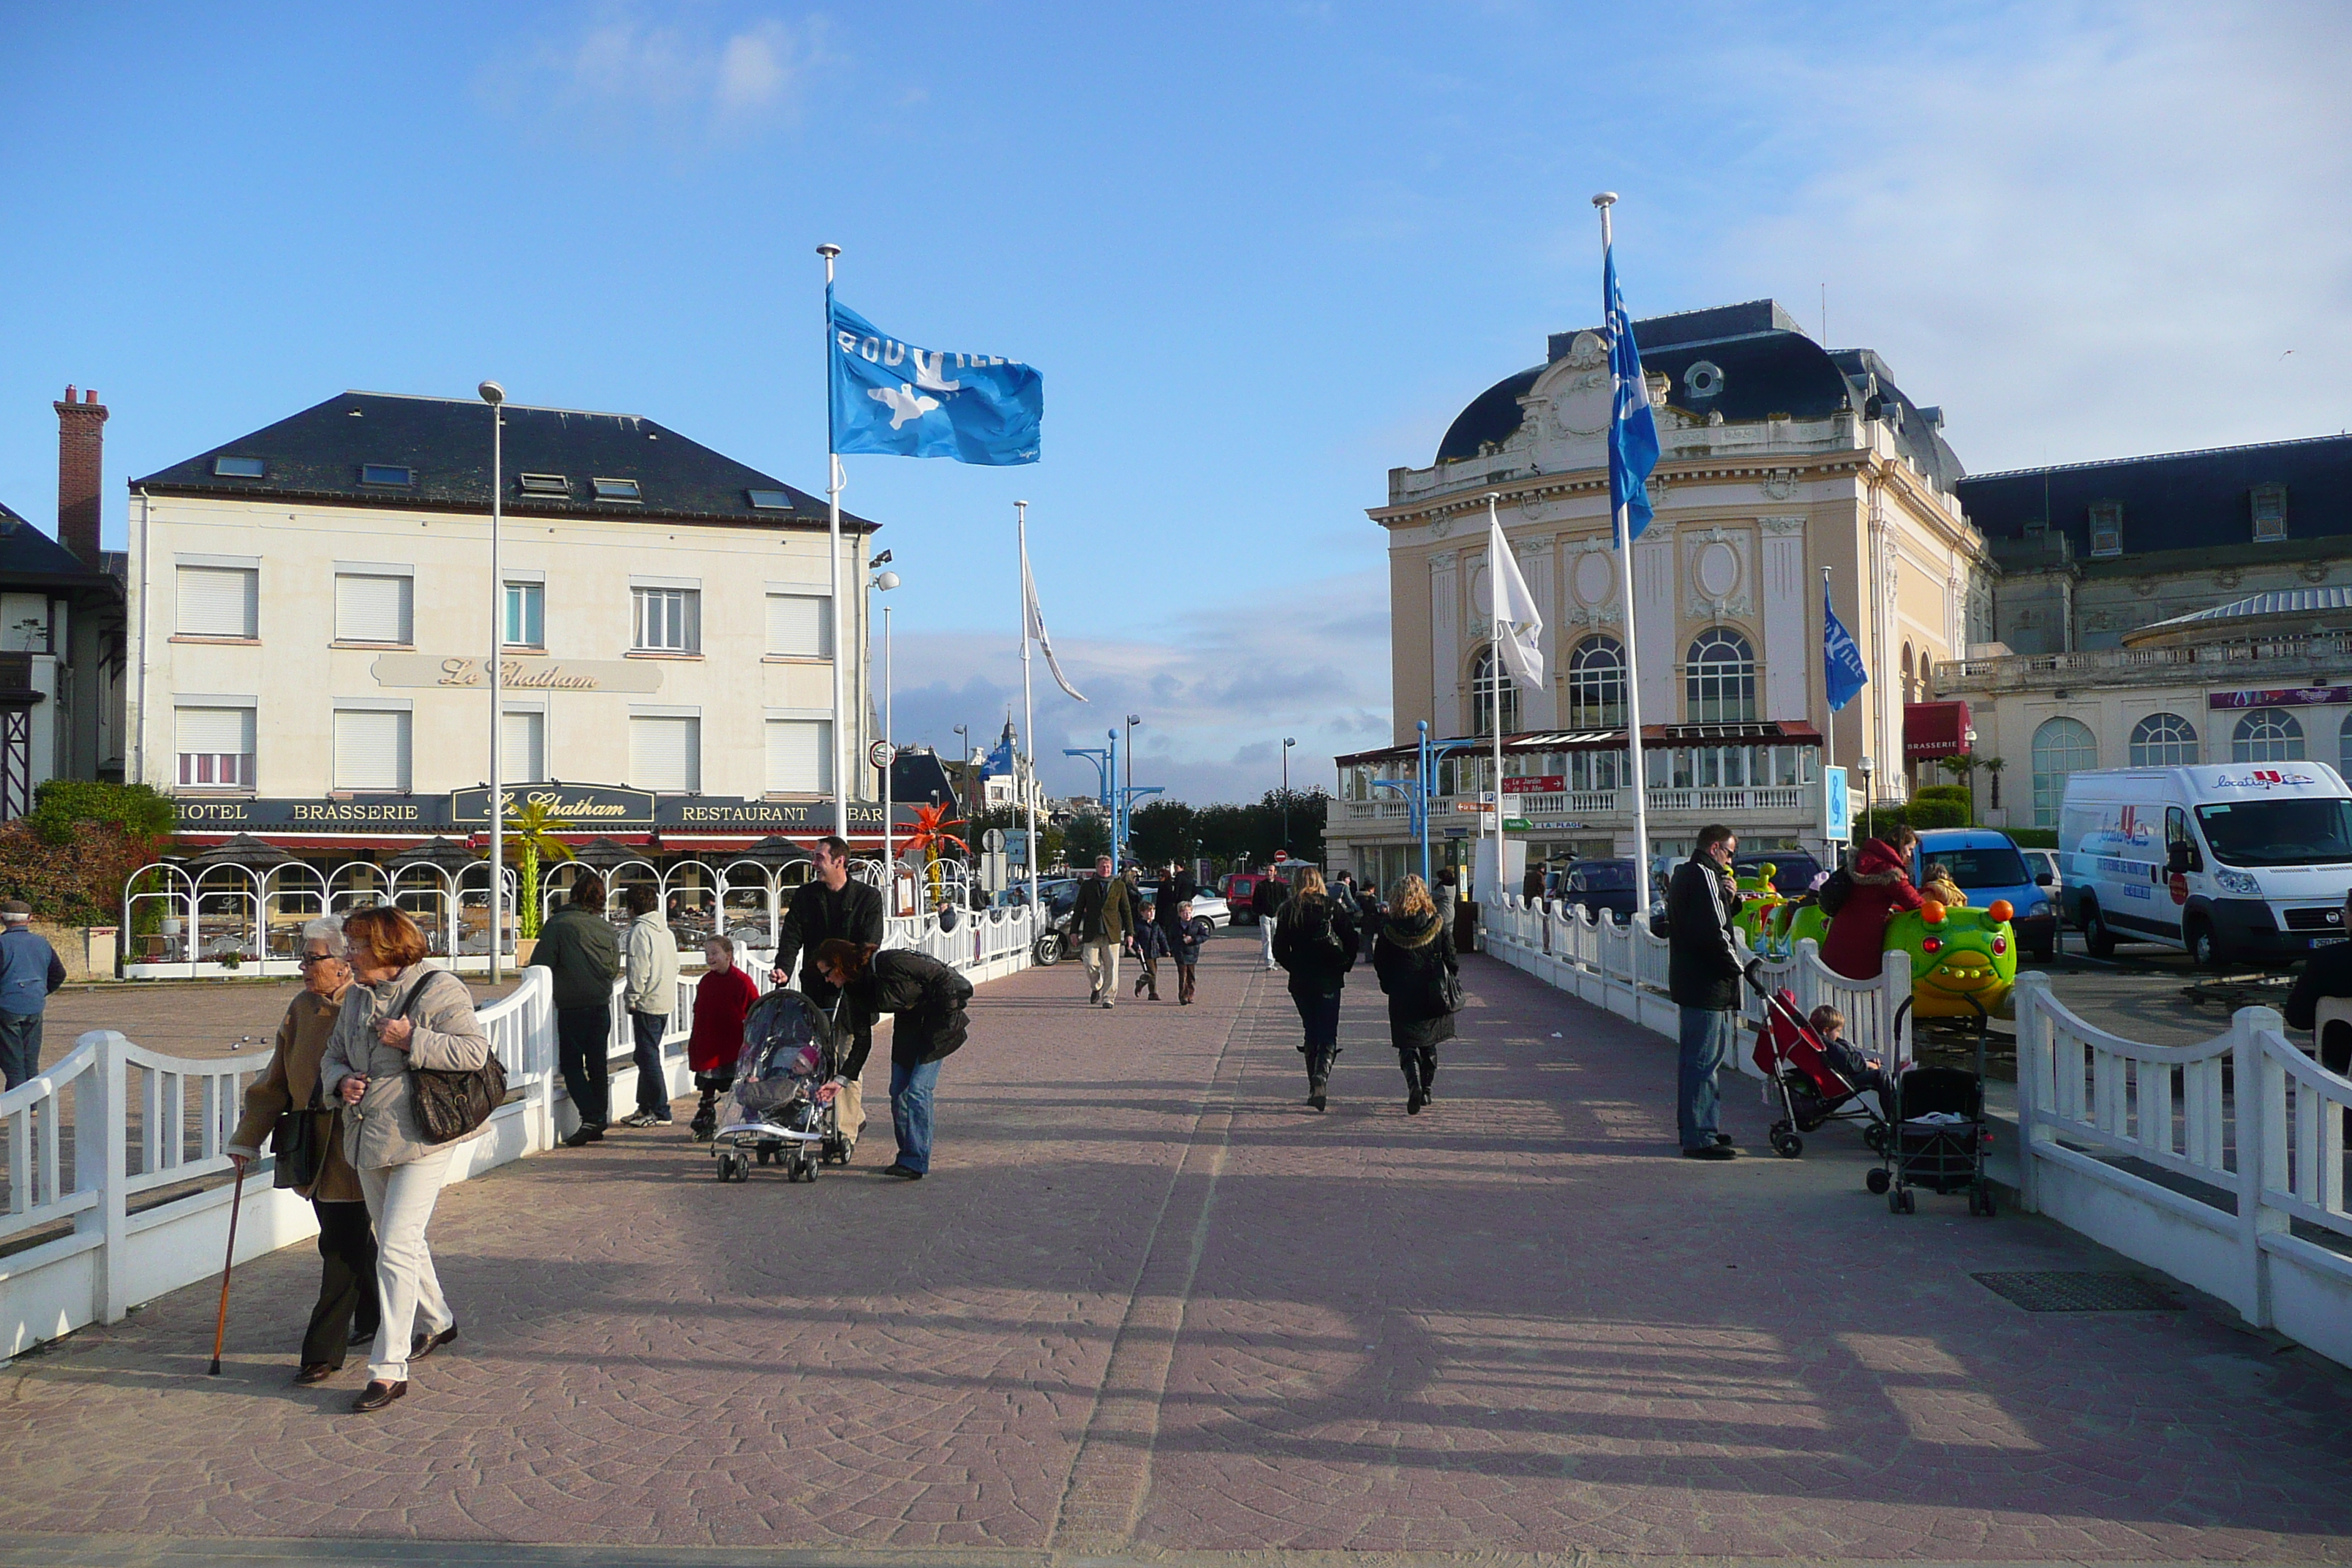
1623	967
2198	1160
118	1188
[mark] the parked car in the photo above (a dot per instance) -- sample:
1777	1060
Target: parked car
1207	905
2043	864
1793	870
1986	864
1239	888
1601	884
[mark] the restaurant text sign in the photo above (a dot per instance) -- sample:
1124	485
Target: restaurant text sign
2288	697
413	669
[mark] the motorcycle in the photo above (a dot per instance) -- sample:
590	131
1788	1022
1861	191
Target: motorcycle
1059	942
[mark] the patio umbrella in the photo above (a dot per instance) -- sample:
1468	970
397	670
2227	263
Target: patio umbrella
603	854
445	854
773	850
244	850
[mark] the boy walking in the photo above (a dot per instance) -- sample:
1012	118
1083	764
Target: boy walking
1190	933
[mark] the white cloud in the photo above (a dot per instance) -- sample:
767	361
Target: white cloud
625	71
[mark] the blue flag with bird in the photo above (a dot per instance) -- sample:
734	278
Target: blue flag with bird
1632	431
891	397
1842	665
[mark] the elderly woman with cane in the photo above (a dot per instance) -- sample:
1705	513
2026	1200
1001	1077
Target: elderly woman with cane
399	1015
284	1104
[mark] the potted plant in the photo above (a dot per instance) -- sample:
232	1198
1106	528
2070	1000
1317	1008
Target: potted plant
531	836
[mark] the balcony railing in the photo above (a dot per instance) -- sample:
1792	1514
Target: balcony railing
2058	668
1730	803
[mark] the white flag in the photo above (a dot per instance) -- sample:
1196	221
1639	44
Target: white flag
1519	624
1036	628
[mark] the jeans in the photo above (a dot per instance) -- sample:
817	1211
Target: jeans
1707	1035
652	1081
911	1111
20	1048
400	1199
584	1041
1320	1016
348	1303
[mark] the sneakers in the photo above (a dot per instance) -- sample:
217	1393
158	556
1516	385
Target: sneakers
1711	1151
643	1118
704	1128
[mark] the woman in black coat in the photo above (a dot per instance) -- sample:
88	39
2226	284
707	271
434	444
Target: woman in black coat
1414	957
1316	942
926	1000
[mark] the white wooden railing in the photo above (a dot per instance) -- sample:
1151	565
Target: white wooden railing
118	1179
2247	1129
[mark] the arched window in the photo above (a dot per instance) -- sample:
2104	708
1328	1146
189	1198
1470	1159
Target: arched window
2061	746
2267	735
1910	690
1719	679
1596	684
2164	740
1482	698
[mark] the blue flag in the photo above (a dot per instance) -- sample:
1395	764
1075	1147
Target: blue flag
1841	660
889	396
999	761
1632	432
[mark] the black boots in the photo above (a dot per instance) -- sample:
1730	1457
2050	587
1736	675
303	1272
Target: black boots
1315	1096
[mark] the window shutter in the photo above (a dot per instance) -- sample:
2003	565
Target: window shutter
371	608
215	746
800	756
666	754
523	741
219	600
798	625
371	750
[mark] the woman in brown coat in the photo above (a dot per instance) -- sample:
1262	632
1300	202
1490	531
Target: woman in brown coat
347	1308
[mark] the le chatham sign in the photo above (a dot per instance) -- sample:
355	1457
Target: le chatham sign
428	670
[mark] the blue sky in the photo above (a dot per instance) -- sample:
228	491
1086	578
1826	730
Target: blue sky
1261	253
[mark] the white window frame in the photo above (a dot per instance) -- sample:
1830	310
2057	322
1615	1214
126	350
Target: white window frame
249	626
405	576
827	759
824	601
402	712
665	618
187	765
692	784
532	586
510	769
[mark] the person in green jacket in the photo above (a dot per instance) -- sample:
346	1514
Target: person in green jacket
580	945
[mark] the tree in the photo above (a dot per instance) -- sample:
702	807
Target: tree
1083	838
530	837
1164	830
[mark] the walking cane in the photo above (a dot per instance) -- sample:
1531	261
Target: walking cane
220	1328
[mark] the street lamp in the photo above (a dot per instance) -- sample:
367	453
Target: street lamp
1288	742
884	582
495	395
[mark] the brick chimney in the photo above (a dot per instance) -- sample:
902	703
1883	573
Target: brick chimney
82	460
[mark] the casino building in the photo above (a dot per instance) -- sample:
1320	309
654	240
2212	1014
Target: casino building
1779	458
310	608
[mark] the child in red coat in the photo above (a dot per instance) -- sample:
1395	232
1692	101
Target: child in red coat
721	1002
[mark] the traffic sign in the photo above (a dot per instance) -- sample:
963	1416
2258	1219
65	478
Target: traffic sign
881	753
1517	825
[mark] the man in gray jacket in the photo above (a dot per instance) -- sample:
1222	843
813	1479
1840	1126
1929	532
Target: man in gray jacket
580	945
652	953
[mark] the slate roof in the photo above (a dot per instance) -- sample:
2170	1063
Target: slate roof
317	456
2174	501
1767	365
2281	601
28	556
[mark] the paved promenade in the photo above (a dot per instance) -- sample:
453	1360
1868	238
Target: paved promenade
1148	1306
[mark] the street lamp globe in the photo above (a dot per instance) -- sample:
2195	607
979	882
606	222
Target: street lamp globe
492	393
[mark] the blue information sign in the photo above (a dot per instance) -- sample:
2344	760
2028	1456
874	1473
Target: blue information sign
1837	807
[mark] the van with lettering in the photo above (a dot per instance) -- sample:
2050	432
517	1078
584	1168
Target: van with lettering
2228	862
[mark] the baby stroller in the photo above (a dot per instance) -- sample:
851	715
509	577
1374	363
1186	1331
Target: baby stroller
784	1093
1811	1091
1940	1136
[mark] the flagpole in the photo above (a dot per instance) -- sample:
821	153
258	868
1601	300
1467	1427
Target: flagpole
1829	724
1623	525
1495	658
1028	706
833	554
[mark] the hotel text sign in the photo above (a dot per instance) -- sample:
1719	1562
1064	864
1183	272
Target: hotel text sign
410	670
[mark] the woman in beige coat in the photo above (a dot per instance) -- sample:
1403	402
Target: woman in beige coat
398	1013
346	1311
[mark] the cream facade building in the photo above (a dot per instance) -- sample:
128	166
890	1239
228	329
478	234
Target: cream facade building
312	609
1778	458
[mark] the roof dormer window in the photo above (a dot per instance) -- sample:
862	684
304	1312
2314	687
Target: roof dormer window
616	489
240	467
387	474
1703	379
769	501
2269	514
2107	528
545	484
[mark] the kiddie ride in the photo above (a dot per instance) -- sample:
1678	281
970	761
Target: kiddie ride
1963	960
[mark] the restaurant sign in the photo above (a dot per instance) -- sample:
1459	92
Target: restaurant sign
2287	697
428	670
589	809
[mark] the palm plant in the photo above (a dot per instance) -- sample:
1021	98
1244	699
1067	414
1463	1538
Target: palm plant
531	836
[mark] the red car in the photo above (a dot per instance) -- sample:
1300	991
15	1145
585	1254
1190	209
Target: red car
1240	889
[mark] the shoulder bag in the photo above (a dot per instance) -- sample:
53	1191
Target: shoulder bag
295	1143
1449	989
453	1101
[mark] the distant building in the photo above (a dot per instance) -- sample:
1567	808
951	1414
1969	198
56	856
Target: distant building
2193	606
314	606
61	626
1779	457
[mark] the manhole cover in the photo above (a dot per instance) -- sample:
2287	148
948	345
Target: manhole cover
2060	1292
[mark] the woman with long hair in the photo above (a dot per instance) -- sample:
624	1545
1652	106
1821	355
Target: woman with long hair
1414	957
1316	942
399	1012
925	999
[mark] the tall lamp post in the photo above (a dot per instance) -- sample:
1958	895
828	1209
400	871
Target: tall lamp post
1288	742
884	582
495	395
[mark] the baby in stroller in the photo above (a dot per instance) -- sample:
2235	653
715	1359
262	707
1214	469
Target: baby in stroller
1861	1071
785	1092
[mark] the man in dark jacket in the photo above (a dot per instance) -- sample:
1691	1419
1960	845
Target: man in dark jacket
832	903
1102	918
2327	972
578	945
1175	889
1266	900
29	970
1702	977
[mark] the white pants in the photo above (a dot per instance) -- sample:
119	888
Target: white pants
400	1200
1102	966
1266	924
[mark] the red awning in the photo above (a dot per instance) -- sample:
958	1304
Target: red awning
1934	729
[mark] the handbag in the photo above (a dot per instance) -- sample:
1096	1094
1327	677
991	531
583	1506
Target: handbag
295	1142
1449	991
453	1101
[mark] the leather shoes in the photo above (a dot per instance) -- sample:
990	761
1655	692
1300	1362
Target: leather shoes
424	1345
315	1371
1724	1138
1711	1151
376	1396
586	1135
903	1173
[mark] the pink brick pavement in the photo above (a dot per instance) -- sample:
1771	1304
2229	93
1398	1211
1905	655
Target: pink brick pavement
1150	1304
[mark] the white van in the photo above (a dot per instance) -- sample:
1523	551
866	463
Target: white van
2247	860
